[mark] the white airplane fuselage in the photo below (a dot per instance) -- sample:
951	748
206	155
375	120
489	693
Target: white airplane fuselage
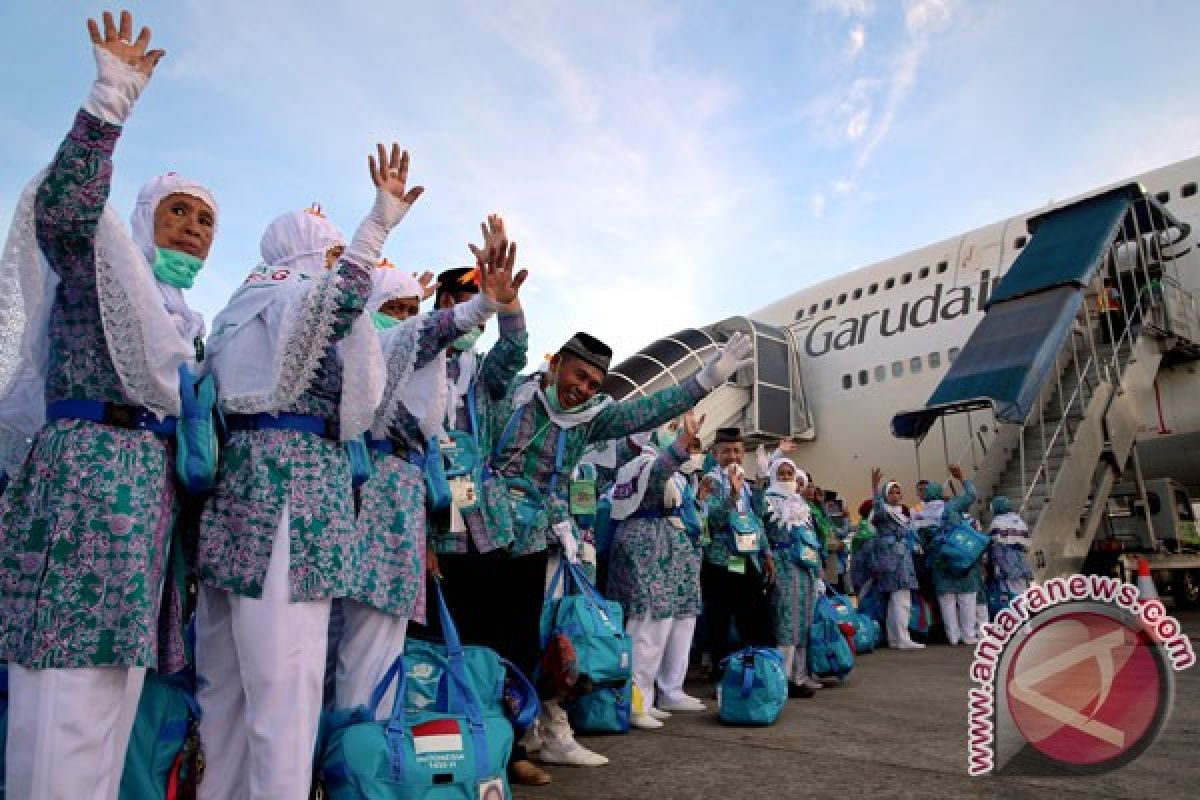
878	340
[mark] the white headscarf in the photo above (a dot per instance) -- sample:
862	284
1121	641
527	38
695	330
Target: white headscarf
268	342
895	512
390	282
141	224
789	507
148	328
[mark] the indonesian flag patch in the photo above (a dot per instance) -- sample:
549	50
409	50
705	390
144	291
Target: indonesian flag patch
438	737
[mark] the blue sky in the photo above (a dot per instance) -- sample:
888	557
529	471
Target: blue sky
661	165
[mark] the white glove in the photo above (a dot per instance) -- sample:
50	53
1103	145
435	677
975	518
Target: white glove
566	536
764	463
475	312
116	88
367	245
733	355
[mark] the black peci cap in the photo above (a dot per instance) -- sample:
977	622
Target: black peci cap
459	279
727	435
590	349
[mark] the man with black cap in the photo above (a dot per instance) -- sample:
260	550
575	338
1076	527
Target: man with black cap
552	418
737	561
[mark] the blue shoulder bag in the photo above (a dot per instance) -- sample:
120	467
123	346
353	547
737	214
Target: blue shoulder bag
595	626
196	447
457	456
829	654
961	547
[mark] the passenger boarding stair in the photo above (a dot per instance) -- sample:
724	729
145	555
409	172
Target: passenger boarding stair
1064	364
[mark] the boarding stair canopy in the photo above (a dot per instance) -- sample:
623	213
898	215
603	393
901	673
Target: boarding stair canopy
1064	378
1011	353
766	399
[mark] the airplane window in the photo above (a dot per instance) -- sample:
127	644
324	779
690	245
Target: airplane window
799	314
826	304
1163	197
1020	242
952	354
935	360
889	283
942	267
842	299
873	288
914	364
864	377
897	369
906	278
812	309
847	381
880	373
924	273
1187	190
857	294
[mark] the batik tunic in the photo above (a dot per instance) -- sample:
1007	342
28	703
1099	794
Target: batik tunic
1008	552
531	452
720	548
85	523
654	567
261	472
890	553
391	519
493	395
792	597
945	580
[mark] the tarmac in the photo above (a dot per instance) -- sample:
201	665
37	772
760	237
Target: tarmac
896	728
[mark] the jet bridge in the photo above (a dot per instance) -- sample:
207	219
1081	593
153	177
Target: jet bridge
1067	352
765	400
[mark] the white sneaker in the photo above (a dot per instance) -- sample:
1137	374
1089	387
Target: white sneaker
645	722
532	740
811	684
658	713
685	702
573	755
910	646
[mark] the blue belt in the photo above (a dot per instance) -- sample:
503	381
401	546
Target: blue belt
387	446
115	414
656	514
301	423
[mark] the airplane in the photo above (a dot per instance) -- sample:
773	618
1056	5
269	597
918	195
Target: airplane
870	343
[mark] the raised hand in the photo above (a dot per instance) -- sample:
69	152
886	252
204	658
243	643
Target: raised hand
737	352
390	174
119	42
876	478
428	285
690	433
495	263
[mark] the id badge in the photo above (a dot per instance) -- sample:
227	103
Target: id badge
462	493
737	564
583	497
746	542
809	554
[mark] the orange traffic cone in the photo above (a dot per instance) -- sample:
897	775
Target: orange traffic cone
1145	583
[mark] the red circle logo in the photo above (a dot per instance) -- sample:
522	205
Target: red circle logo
1084	688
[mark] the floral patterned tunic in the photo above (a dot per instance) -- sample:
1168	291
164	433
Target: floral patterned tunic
889	555
946	581
654	567
791	597
85	523
531	452
262	472
494	386
391	519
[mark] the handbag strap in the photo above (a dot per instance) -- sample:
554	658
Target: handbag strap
510	430
747	674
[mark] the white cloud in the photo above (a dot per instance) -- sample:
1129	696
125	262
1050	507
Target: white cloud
848	8
858	40
817	205
843	186
923	16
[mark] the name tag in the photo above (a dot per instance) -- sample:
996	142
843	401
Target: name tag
737	564
583	497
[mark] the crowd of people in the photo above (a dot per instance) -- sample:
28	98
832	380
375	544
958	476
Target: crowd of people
312	552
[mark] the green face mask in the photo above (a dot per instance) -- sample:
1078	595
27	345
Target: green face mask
175	268
467	340
665	438
552	396
383	321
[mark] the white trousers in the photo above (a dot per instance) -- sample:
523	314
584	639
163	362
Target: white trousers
660	656
370	643
795	662
899	610
958	615
68	730
261	664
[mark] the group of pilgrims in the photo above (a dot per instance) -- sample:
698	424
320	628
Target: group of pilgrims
301	562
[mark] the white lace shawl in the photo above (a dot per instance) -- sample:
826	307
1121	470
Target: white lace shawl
267	345
422	392
144	341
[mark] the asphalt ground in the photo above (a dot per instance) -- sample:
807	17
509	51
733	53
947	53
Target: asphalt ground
896	728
